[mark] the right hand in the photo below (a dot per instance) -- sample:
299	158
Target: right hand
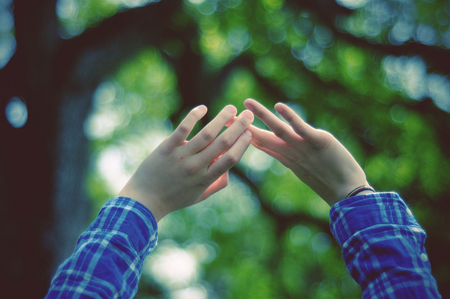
315	156
181	173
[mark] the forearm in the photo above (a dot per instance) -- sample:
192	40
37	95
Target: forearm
108	258
383	246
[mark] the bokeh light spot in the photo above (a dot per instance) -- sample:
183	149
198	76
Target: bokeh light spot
426	35
229	223
16	112
196	1
231	3
300	235
197	292
352	4
239	38
282	205
66	9
7	48
399	113
173	267
320	242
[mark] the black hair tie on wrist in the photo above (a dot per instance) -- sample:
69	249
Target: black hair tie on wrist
358	190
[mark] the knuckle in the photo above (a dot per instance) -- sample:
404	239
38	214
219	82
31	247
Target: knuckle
279	133
300	129
226	142
231	159
288	117
243	122
183	128
191	168
207	135
166	150
260	142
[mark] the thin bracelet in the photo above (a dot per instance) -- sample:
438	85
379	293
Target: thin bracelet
359	190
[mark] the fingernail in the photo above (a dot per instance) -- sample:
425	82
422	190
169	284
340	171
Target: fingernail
279	108
248	114
248	133
201	108
249	107
231	108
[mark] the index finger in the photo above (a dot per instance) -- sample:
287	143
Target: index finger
276	125
297	123
187	124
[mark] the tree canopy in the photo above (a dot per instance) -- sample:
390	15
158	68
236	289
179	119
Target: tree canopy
95	85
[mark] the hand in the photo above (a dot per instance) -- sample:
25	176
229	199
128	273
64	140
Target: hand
315	156
180	173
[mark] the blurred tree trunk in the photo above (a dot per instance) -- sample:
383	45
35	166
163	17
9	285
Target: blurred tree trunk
43	207
42	164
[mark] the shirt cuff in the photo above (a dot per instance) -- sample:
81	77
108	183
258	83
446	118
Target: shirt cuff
123	215
353	214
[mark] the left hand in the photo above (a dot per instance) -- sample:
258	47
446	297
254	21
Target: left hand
315	156
180	173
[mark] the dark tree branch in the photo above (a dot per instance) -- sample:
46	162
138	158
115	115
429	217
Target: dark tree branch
113	41
283	221
439	119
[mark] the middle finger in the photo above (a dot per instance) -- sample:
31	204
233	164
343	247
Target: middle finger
276	125
227	138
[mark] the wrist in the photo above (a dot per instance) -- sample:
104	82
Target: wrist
153	205
350	191
360	190
364	192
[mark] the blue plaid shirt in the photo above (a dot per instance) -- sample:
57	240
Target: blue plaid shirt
382	245
107	261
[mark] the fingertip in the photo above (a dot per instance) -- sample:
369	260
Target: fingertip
201	108
280	107
248	133
249	114
231	109
248	103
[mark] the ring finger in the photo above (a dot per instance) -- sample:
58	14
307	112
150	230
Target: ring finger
211	130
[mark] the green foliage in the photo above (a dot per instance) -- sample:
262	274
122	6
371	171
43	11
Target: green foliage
266	235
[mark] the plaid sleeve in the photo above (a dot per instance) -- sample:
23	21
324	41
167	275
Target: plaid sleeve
108	257
383	246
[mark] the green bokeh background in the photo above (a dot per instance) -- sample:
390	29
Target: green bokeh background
367	71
